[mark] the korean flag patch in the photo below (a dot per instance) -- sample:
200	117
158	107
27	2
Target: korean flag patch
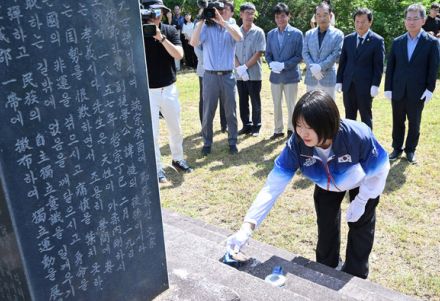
344	159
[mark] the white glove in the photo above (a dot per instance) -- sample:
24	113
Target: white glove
238	239
245	77
389	95
315	68
241	70
273	64
374	90
318	75
427	95
338	87
356	209
280	66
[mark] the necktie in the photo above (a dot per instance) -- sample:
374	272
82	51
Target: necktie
360	42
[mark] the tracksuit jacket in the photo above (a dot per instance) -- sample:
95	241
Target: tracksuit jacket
356	160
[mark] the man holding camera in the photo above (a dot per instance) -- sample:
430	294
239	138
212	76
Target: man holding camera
162	46
218	39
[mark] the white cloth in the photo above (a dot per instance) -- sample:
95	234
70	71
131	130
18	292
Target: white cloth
166	101
290	94
188	30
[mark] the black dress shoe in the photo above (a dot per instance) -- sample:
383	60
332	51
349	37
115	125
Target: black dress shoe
289	133
233	149
395	154
245	130
206	150
276	136
411	157
182	165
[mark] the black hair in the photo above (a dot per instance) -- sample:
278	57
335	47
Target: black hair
435	6
184	20
319	111
363	11
230	4
281	8
324	5
246	6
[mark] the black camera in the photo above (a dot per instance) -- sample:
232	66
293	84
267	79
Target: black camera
149	14
209	7
149	30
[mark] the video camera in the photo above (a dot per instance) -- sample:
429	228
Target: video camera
209	7
148	14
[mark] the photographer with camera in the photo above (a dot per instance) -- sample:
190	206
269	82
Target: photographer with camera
218	39
162	46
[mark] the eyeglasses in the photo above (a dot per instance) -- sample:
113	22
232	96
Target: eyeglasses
412	19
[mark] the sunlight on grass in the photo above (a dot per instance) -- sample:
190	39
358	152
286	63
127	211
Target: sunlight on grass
406	253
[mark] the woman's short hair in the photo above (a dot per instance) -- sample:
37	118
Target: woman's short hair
319	111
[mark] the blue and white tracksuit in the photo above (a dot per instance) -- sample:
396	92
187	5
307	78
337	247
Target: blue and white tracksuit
356	160
357	163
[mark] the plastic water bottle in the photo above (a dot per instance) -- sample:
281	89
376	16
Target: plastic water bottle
276	278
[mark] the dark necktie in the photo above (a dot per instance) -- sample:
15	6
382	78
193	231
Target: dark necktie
360	42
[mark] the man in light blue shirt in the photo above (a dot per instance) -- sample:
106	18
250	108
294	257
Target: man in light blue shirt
218	38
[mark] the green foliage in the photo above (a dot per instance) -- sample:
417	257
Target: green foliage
388	14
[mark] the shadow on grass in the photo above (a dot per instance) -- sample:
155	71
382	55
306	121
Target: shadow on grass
396	177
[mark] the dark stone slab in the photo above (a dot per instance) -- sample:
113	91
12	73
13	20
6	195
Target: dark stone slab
80	214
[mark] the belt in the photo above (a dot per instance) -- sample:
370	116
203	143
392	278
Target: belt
219	72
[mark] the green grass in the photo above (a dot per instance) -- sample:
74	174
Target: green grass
406	252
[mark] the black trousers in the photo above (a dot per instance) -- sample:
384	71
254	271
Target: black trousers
222	109
360	234
355	100
403	109
250	89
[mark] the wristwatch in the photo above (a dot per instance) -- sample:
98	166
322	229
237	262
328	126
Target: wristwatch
163	39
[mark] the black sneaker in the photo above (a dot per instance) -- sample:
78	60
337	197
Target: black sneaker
245	131
233	149
411	157
206	150
276	136
224	129
255	133
395	154
182	165
289	133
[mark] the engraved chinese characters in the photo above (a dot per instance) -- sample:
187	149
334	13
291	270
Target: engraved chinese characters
76	153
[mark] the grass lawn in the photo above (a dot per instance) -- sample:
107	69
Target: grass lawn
406	253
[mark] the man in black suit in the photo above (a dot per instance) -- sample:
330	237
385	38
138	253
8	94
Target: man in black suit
410	80
360	68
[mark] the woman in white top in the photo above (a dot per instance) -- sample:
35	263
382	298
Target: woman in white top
187	31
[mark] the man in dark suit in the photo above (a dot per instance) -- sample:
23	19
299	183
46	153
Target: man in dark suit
360	68
410	80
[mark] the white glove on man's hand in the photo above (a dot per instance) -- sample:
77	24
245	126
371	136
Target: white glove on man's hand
338	87
318	75
241	70
374	90
389	95
427	95
238	239
315	68
245	77
356	209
